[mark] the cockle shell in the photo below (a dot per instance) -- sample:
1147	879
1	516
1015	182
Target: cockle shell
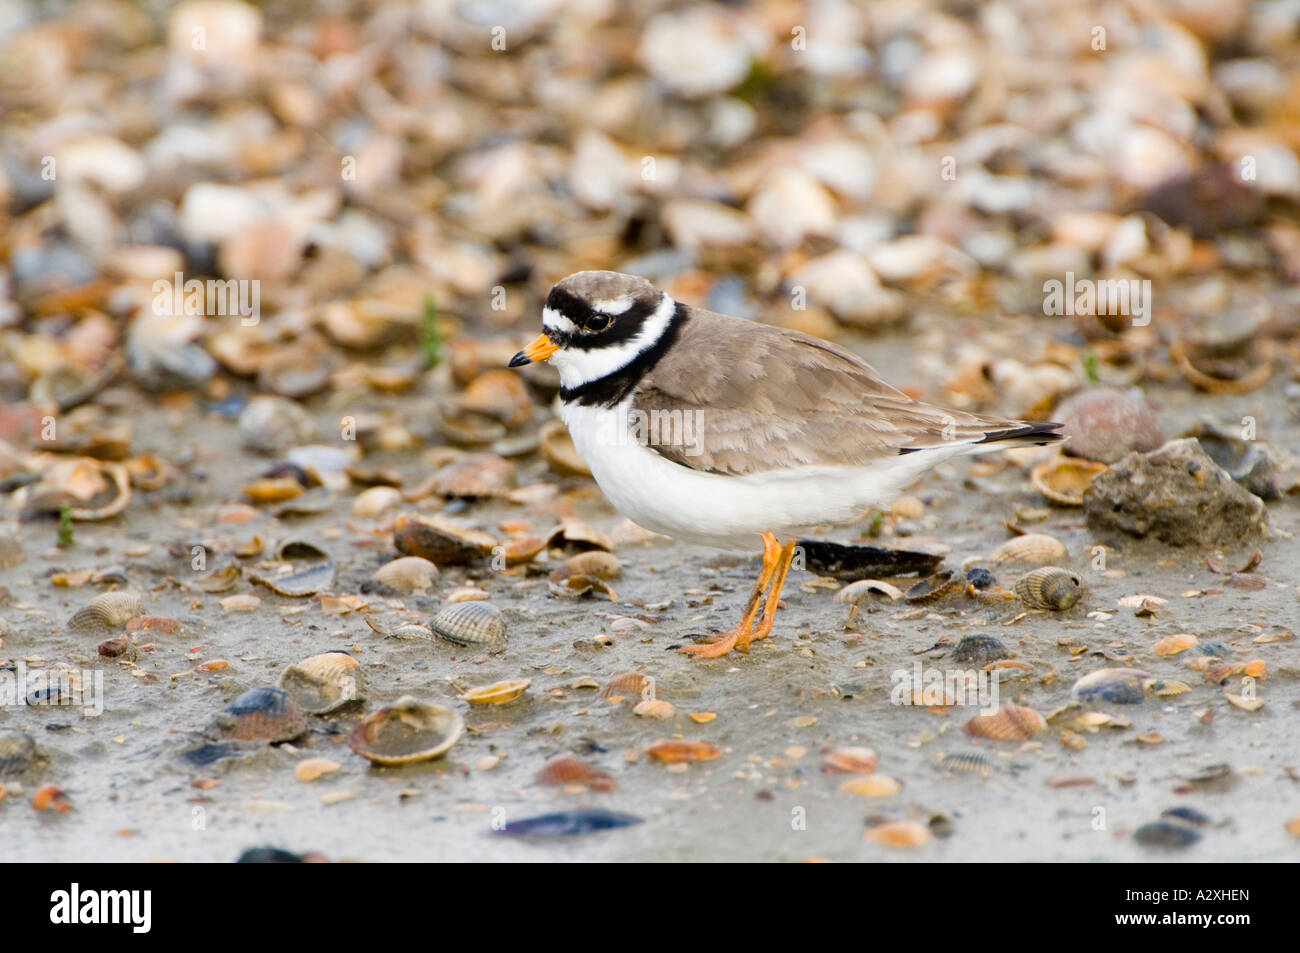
263	714
1008	722
406	731
1050	587
323	683
1030	548
472	624
498	693
110	610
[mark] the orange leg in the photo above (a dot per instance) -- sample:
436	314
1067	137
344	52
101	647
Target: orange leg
772	553
764	627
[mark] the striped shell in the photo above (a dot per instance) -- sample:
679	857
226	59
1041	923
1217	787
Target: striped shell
630	683
110	610
1030	548
568	769
852	760
473	624
406	731
323	683
263	714
1008	723
1049	587
968	762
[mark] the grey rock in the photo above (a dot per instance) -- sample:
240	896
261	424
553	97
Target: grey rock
1176	494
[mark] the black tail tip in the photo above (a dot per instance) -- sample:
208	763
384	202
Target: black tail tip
1037	434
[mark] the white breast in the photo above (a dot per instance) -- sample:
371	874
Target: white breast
728	512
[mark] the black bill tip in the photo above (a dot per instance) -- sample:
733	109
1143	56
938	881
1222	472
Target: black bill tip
519	360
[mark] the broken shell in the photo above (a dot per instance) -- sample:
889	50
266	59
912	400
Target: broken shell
323	683
499	394
856	760
275	489
559	451
498	693
1173	644
1030	548
675	752
568	769
470	430
1063	479
222	579
310	769
873	785
263	714
305	569
439	540
92	489
573	587
935	587
472	624
110	610
375	501
1245	702
1008	722
856	593
968	762
578	534
1120	686
1050	587
630	683
898	834
406	731
406	574
1224	373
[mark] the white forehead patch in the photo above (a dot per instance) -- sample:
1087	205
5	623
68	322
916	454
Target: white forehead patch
555	321
613	305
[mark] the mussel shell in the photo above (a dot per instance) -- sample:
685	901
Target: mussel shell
310	570
323	683
406	731
471	624
1050	587
109	610
263	714
440	540
1119	686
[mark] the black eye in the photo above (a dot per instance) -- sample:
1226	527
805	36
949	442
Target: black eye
597	322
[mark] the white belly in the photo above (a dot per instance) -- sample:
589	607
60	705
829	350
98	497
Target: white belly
728	512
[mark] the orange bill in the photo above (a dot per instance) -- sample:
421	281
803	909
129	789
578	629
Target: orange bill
540	349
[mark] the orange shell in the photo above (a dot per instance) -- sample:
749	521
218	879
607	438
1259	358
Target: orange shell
1009	722
674	752
852	760
898	834
567	769
1173	644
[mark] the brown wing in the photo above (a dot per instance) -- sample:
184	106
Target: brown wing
735	397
